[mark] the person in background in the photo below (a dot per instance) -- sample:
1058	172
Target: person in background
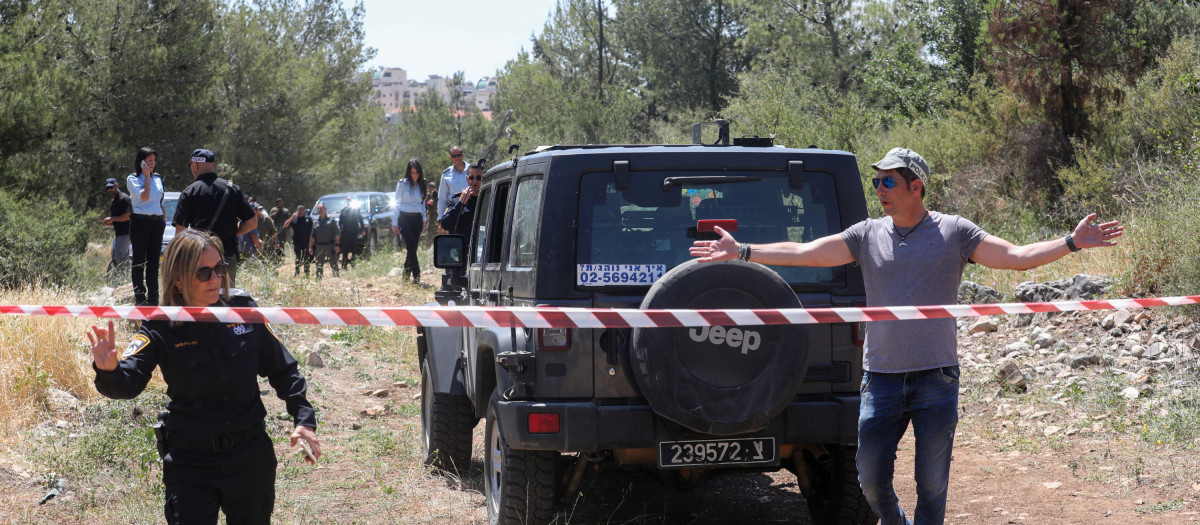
458	217
216	452
280	215
454	180
431	205
270	238
119	211
350	222
409	220
912	257
215	205
301	225
146	226
323	246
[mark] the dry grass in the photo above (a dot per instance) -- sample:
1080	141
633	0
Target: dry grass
1108	262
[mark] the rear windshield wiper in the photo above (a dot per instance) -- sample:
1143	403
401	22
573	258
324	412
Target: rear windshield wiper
673	182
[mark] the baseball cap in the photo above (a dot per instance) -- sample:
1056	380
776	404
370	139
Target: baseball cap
904	158
203	155
110	183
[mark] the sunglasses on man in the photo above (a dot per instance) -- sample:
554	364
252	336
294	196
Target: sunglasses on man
205	273
888	182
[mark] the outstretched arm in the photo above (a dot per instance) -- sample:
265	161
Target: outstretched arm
827	251
995	252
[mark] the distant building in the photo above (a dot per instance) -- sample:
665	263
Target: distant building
395	92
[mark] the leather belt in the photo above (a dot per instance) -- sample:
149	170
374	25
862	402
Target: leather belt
220	443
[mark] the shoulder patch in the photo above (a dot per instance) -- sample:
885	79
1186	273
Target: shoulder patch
139	342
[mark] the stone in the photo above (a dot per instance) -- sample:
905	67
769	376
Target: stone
1031	292
973	293
1129	393
321	347
1050	430
356	426
1052	484
1016	348
1121	317
380	392
1010	376
400	384
1108	322
1081	286
62	400
395	272
1084	361
1137	351
1155	351
1043	340
314	360
985	324
374	411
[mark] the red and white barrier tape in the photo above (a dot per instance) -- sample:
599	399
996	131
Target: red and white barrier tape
543	317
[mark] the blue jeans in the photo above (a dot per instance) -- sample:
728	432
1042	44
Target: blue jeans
927	398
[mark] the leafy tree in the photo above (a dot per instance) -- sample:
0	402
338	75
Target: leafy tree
952	29
687	53
1062	56
903	82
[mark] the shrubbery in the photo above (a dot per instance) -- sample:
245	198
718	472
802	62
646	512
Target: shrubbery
40	242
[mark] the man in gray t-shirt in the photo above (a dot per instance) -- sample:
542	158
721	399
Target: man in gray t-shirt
911	257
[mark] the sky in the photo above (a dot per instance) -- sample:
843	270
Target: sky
426	37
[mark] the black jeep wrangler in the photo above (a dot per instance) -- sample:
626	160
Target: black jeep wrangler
610	227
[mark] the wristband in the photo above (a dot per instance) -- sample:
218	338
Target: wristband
1071	244
744	252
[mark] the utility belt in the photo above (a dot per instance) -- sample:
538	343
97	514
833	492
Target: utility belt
217	444
330	243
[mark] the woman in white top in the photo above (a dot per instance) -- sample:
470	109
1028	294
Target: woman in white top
409	220
146	225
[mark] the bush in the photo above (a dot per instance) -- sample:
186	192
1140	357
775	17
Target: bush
39	242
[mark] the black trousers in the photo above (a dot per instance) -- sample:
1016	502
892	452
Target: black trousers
239	482
410	231
349	246
145	238
302	256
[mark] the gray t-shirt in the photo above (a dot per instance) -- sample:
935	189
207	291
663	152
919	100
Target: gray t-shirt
927	271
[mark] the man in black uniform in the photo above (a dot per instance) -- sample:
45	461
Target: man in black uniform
324	242
279	216
118	217
301	225
460	214
350	222
216	205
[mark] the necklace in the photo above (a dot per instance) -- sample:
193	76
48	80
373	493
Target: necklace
914	228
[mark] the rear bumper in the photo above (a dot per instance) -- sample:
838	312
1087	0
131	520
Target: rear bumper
586	426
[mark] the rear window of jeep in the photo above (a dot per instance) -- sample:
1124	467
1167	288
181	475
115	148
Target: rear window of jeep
631	237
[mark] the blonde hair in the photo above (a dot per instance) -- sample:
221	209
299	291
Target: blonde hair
180	261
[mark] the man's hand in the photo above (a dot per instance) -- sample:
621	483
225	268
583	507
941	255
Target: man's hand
107	221
395	230
466	195
309	437
1088	235
720	250
104	351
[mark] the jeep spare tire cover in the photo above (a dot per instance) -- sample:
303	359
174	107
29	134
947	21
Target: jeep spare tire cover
720	379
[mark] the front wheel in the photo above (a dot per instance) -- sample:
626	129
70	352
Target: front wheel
518	485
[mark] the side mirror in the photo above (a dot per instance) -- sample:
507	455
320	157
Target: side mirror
450	252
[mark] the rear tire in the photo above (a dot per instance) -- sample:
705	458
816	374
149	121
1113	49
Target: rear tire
837	498
518	485
447	421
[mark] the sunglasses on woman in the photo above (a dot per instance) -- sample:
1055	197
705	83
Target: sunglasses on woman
205	273
888	182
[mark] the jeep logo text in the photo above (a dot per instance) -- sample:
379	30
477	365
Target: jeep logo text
733	337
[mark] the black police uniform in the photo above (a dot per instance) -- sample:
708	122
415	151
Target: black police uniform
325	233
458	216
350	222
219	455
198	205
301	231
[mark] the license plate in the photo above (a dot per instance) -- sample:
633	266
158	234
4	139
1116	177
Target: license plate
747	451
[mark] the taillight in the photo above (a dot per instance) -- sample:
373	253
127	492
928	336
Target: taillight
543	423
554	339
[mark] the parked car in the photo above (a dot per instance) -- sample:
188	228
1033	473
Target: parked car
376	209
610	227
170	201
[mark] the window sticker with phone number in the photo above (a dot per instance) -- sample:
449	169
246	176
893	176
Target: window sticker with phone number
618	274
